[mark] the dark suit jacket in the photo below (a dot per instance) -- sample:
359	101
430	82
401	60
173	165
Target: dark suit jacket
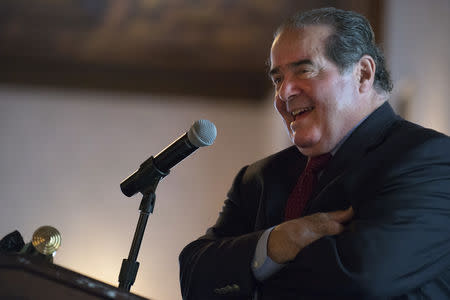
395	174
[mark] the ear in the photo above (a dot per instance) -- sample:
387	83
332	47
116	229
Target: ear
365	73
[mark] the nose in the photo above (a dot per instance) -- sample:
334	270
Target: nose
288	89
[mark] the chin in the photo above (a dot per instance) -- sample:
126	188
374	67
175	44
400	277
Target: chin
306	152
303	142
309	145
306	149
309	148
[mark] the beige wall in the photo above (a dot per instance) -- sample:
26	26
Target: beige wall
417	49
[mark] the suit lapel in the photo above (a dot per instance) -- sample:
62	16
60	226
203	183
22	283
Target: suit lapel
282	178
366	137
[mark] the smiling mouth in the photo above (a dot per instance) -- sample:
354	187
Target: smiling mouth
301	111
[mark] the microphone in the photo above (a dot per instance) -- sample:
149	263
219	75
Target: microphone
202	133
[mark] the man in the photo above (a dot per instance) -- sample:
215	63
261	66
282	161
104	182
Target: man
372	223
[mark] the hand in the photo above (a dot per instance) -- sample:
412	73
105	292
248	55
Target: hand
287	239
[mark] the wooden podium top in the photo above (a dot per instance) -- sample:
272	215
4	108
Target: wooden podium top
27	277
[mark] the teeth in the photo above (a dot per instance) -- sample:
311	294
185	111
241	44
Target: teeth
301	110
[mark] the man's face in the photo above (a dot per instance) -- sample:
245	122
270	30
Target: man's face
319	105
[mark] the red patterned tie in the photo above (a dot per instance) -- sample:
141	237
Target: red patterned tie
305	186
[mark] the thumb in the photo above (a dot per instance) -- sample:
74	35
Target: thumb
342	216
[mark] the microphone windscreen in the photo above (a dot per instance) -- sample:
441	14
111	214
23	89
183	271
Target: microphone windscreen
202	133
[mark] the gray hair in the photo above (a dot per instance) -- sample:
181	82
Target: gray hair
352	38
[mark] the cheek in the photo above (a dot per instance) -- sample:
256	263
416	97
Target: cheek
330	96
280	106
285	116
335	105
345	92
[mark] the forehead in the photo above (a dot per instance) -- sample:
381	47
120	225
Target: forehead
294	44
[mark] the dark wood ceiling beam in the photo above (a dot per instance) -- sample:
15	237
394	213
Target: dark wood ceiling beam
208	48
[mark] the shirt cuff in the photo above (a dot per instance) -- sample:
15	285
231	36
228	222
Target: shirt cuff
262	265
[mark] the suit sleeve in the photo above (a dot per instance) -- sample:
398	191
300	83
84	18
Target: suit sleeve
398	241
217	265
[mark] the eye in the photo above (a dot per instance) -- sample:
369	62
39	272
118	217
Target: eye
276	80
304	70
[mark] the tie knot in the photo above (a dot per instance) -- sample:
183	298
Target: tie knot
317	163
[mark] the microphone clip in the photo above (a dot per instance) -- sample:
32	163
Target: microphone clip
144	180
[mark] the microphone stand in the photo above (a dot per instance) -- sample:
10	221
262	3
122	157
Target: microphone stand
130	266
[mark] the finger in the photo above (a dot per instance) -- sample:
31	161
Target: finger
342	216
335	228
322	224
328	228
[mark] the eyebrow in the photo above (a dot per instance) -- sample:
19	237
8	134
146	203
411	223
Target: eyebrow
276	70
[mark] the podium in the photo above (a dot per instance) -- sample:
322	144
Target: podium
28	277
